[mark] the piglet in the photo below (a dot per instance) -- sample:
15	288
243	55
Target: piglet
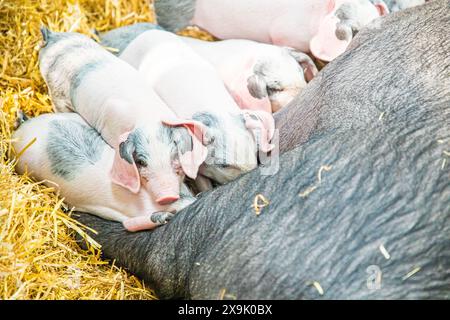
111	96
306	25
72	156
191	86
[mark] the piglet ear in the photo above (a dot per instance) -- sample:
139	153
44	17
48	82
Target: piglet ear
325	45
382	8
262	125
305	61
191	160
123	173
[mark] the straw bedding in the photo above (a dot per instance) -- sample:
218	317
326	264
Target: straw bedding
39	258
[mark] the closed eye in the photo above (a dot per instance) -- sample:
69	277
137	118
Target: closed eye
139	161
274	90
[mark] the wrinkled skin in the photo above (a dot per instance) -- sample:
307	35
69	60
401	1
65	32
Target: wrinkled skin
386	183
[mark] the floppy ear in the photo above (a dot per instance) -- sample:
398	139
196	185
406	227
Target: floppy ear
325	45
331	6
257	86
191	160
308	66
124	171
262	125
381	7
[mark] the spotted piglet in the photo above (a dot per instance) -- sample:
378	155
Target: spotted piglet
72	156
112	97
192	88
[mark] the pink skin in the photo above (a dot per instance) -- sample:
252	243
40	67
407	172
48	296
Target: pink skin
291	23
325	45
167	200
163	186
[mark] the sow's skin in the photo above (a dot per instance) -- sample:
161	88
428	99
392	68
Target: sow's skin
386	182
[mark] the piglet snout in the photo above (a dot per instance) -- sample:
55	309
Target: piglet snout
167	199
164	187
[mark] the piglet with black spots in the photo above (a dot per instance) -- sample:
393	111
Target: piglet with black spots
70	155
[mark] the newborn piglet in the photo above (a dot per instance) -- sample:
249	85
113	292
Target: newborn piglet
72	155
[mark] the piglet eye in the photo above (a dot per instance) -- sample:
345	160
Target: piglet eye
141	163
209	139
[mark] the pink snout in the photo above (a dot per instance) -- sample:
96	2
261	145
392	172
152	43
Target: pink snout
164	187
165	200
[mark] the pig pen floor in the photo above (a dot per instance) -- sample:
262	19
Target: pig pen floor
39	258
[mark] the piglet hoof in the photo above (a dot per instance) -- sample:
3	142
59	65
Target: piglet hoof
161	217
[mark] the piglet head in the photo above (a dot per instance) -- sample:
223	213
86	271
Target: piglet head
275	80
192	150
124	171
249	87
325	45
145	158
338	28
262	126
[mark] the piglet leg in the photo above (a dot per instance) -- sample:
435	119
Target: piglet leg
156	219
148	221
